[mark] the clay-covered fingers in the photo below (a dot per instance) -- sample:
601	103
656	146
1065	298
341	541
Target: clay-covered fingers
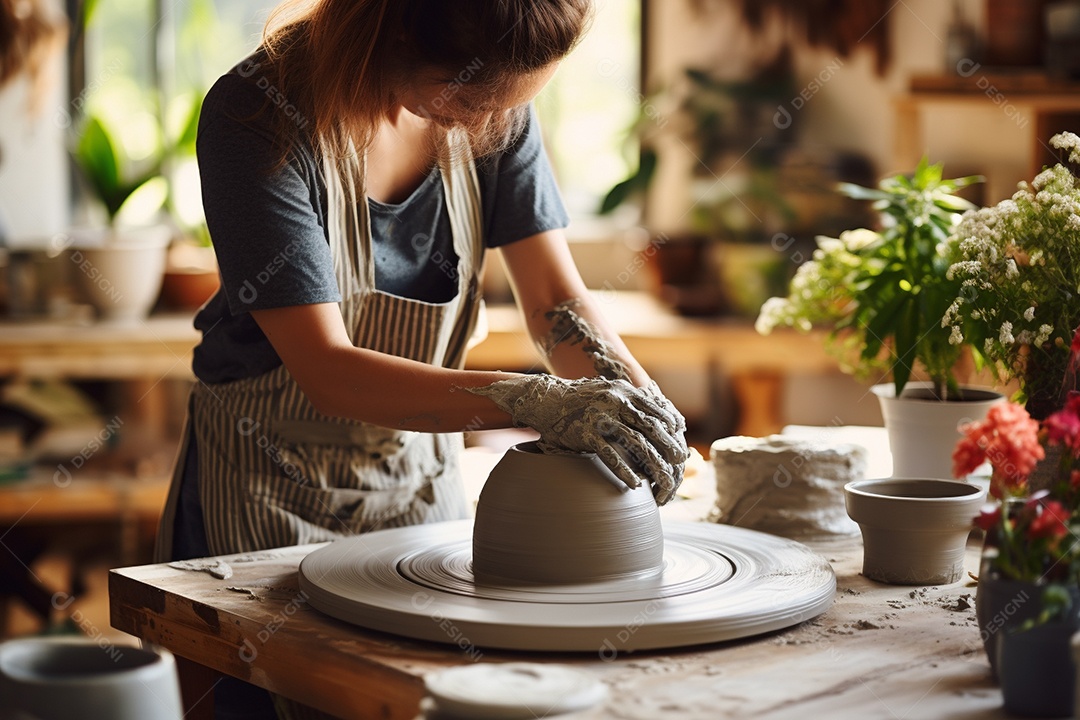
677	417
610	456
644	418
637	453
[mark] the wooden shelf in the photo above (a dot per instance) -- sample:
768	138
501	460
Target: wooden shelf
1041	105
161	347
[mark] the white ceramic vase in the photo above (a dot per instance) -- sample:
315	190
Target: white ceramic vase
62	678
923	431
914	529
120	271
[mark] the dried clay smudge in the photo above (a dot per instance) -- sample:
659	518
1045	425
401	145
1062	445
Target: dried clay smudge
568	326
218	568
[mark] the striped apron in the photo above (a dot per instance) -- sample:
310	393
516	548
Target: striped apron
273	471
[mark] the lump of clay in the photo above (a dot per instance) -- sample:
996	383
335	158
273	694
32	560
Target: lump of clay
786	486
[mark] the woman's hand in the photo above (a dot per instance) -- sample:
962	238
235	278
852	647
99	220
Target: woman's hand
636	432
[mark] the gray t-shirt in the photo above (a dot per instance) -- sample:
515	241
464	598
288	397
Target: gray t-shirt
269	226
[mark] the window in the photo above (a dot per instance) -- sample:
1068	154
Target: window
145	57
591	103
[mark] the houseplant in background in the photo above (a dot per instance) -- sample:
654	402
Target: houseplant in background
122	261
754	194
1019	273
1028	599
883	294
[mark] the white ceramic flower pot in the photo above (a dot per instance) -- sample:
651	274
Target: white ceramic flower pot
54	678
914	529
120	272
923	431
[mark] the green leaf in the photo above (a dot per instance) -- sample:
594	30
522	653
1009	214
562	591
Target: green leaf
144	202
907	337
858	192
952	203
89	8
96	155
183	134
637	183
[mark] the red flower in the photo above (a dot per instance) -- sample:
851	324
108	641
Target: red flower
1075	345
1051	522
1063	427
988	517
967	456
1009	439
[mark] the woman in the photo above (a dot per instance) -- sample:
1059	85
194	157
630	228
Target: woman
354	171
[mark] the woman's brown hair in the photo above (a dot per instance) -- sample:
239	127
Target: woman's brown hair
339	61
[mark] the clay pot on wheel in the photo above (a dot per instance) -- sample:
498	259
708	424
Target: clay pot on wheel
914	530
563	519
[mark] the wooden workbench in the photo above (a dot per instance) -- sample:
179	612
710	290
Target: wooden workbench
880	652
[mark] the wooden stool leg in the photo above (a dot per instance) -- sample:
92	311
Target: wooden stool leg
196	689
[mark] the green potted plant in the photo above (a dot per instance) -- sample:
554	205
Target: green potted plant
121	261
727	126
883	295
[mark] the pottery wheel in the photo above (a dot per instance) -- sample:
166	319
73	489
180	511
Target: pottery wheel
717	582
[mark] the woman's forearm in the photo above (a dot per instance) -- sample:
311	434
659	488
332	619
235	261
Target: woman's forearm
404	394
563	319
577	341
342	380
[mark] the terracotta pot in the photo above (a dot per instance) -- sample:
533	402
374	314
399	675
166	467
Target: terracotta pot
563	519
923	431
53	678
914	529
188	289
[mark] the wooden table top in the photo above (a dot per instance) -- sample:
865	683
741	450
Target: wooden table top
881	651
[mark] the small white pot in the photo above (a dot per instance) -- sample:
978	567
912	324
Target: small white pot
120	272
914	529
54	678
923	431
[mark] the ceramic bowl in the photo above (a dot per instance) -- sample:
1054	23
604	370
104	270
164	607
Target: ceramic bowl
559	519
914	529
54	678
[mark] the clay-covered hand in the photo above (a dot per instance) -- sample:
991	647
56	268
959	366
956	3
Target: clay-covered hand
677	428
636	432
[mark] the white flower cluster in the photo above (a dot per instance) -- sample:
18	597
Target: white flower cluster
1019	266
1067	141
818	283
